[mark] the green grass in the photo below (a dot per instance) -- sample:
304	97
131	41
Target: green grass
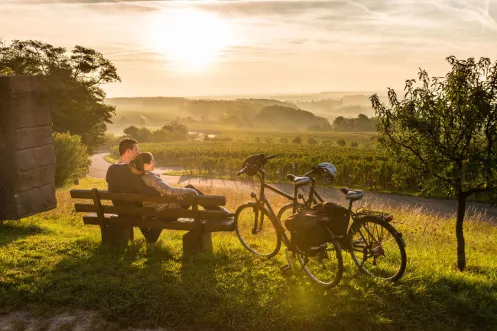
51	263
111	159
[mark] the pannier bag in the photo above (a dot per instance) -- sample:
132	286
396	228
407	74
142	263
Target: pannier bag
338	216
306	232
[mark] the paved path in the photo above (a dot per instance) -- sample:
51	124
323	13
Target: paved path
99	168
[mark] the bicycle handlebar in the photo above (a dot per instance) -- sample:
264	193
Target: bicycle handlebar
267	158
241	171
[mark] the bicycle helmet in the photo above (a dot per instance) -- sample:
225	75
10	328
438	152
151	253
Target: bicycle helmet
253	163
325	169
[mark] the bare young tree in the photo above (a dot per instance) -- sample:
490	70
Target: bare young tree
446	129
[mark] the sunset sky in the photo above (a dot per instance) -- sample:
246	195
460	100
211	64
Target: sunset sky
200	48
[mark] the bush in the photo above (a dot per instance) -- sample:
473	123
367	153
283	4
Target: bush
297	140
341	142
71	158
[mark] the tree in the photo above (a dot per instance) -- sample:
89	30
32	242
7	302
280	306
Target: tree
73	80
446	129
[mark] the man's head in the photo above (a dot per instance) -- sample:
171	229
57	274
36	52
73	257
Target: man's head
128	150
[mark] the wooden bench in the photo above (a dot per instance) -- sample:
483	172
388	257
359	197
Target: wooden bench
117	222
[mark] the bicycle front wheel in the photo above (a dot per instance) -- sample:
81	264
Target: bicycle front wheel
325	267
378	249
256	230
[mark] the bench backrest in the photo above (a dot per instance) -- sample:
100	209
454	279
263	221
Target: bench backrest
132	210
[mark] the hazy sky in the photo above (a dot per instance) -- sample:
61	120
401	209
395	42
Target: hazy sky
186	48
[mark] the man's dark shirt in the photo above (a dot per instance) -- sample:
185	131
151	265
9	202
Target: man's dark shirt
120	179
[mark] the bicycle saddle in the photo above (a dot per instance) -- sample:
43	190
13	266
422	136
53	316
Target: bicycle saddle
351	194
298	181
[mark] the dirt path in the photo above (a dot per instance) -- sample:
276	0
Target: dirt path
99	168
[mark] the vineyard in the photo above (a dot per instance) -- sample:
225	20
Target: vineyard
361	162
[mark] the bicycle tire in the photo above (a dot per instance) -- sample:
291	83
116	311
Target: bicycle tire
250	212
317	275
370	244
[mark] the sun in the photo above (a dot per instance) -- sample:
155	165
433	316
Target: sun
190	39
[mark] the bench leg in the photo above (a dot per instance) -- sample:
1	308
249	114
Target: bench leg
116	234
194	242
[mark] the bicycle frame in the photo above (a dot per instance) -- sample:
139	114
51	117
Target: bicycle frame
263	201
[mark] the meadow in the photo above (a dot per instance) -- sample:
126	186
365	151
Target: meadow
52	263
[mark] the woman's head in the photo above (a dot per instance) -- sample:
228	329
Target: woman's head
142	162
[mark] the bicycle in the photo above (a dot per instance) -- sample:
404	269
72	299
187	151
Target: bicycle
324	268
369	237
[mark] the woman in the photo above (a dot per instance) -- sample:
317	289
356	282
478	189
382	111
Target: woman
143	165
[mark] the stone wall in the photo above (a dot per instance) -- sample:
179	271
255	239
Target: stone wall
27	158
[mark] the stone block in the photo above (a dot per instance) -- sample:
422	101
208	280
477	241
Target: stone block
36	157
34	136
35	201
35	178
31	110
27	158
15	85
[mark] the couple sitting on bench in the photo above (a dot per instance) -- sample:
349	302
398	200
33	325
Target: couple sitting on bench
133	173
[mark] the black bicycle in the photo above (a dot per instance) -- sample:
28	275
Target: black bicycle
260	231
376	247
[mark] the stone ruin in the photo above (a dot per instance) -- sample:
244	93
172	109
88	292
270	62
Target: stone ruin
27	158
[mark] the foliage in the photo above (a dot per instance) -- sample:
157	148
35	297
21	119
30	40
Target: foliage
73	80
71	158
360	124
446	129
172	131
287	117
54	263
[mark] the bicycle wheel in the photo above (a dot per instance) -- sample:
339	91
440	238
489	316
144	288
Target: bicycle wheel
377	249
325	267
284	213
256	231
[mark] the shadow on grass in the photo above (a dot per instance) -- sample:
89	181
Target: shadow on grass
149	286
14	230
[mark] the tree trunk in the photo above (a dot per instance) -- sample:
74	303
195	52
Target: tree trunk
461	211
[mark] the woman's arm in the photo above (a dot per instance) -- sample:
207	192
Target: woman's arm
156	183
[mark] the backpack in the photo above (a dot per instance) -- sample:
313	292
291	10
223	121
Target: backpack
306	232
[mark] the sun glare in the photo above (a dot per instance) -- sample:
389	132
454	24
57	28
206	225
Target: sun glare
190	39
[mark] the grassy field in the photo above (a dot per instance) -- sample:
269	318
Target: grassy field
52	263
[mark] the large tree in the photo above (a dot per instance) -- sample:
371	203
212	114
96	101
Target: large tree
74	81
446	129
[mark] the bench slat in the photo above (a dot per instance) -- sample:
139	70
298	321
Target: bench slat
151	212
186	224
203	200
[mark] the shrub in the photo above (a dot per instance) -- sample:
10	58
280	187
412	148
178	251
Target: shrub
297	140
341	142
71	158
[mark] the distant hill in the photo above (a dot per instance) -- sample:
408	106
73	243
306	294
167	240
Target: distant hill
280	117
287	112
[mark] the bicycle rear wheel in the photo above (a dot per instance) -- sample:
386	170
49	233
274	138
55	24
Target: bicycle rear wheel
377	249
324	268
256	231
